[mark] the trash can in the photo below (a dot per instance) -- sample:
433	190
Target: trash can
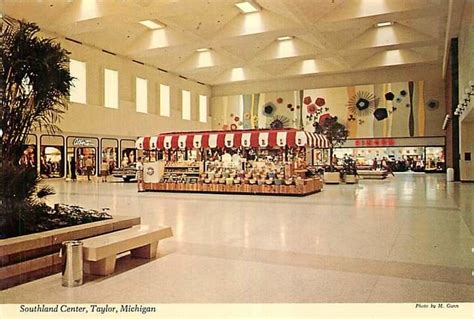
71	256
450	174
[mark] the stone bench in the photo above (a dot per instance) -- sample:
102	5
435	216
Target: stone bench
142	241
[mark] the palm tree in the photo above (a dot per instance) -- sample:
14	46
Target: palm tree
34	83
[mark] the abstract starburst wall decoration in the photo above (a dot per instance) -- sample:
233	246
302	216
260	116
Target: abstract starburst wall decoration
362	103
279	121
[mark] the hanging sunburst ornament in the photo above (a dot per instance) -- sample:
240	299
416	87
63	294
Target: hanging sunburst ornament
279	121
362	103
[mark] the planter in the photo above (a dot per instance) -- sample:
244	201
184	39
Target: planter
350	179
32	256
332	177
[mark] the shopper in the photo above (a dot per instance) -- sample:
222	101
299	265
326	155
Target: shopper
140	174
386	165
104	170
73	169
124	161
89	167
374	164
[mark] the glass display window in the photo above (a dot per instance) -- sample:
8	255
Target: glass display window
435	159
82	154
81	148
28	156
128	152
109	152
51	161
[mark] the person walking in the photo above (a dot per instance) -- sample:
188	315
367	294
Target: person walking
140	174
374	164
89	167
73	169
104	170
386	165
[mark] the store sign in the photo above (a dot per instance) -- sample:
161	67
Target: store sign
376	142
82	142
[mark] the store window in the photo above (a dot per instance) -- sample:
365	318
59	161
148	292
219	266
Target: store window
203	108
111	89
78	87
186	104
164	100
82	148
109	152
51	156
434	159
28	155
128	152
141	91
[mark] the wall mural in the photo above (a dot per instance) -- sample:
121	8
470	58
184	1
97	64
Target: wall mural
380	110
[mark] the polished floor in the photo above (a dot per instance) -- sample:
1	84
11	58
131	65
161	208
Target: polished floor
405	239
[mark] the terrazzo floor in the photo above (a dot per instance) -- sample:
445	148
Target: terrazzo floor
405	239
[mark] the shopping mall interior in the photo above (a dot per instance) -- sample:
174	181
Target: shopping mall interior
214	118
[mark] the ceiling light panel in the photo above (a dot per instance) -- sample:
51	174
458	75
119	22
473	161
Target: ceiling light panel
247	6
284	38
203	50
384	24
152	24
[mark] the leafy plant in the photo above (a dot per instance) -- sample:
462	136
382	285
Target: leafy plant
335	132
35	84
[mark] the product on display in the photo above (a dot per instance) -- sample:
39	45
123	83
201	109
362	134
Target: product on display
246	161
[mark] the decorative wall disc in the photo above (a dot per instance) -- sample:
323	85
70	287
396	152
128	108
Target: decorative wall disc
320	101
389	96
279	121
362	103
432	104
268	109
381	114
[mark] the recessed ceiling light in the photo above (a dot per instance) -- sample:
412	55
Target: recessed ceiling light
284	38
248	6
384	24
203	50
152	24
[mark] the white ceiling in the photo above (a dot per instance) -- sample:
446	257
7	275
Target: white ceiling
330	36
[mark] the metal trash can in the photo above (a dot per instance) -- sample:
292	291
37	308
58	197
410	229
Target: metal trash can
71	255
450	174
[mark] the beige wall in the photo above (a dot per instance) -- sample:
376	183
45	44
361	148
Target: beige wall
94	119
466	74
374	76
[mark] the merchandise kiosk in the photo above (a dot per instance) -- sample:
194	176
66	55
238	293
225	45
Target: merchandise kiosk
239	162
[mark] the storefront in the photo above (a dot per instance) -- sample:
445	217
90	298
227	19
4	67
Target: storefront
28	155
417	154
52	163
110	152
128	152
240	162
82	148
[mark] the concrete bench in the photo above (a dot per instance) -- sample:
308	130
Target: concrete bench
142	241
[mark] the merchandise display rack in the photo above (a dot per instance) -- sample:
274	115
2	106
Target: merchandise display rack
309	186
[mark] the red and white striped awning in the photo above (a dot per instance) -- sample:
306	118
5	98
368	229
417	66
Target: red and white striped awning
221	139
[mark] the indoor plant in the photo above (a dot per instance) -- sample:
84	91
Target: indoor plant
336	134
349	170
34	82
